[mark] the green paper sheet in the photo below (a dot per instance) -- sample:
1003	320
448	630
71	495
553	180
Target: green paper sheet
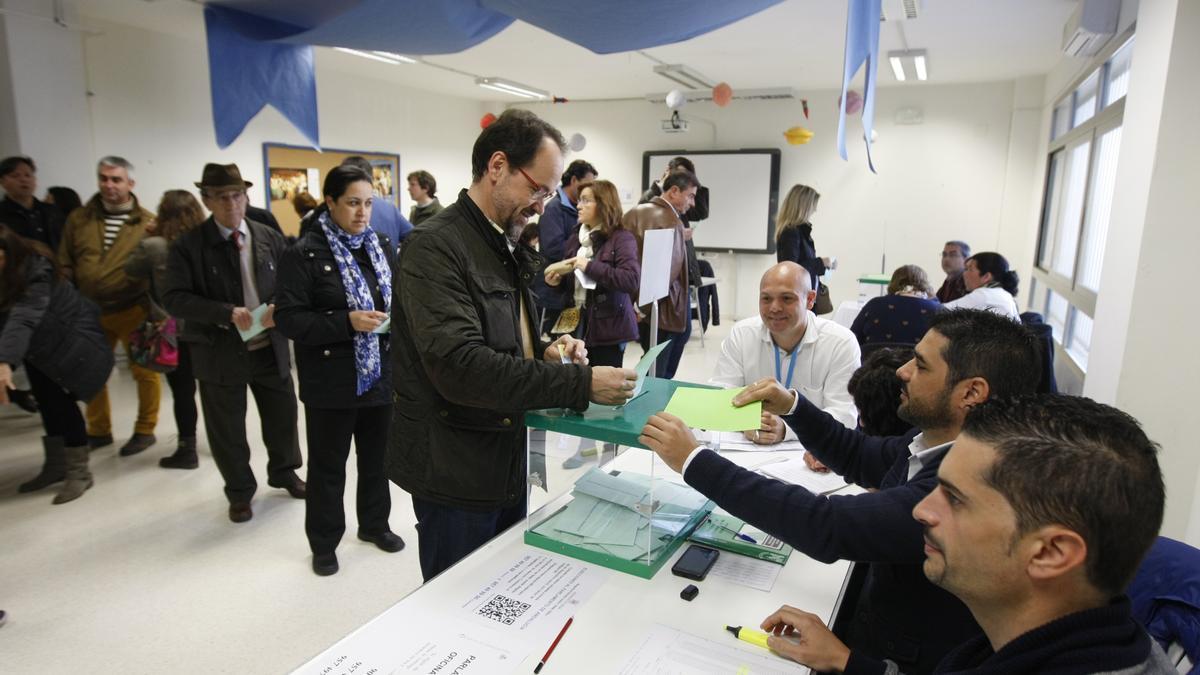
712	409
256	327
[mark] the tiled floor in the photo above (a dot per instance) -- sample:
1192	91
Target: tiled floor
145	573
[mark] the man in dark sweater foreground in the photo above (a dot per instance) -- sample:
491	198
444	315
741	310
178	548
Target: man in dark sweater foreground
1044	508
967	357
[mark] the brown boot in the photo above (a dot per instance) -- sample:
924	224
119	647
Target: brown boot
79	477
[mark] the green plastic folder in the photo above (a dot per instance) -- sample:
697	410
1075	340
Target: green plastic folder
712	409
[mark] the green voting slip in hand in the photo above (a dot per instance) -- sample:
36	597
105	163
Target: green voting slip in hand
712	409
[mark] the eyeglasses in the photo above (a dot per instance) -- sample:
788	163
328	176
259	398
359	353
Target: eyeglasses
541	193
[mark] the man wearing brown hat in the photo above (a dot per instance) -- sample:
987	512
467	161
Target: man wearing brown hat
218	274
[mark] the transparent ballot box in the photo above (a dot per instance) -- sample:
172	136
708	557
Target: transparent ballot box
597	495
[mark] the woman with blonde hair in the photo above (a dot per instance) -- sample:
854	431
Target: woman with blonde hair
178	212
794	242
901	317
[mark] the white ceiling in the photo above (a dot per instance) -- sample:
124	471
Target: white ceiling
798	43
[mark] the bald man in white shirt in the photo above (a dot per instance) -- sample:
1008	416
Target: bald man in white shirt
788	342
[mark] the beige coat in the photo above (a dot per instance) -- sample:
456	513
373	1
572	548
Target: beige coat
98	274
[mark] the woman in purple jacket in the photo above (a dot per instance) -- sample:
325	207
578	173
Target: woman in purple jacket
607	254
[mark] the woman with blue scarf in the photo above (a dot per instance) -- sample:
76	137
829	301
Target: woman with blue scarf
333	300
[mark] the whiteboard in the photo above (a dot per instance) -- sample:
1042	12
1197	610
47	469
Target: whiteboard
743	193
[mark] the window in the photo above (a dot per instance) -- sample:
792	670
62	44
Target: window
1081	171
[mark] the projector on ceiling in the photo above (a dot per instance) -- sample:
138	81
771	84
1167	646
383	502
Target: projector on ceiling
674	125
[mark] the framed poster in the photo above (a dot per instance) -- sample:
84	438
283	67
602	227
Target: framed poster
291	170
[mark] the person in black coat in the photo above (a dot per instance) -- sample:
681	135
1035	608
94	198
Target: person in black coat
335	288
794	242
966	358
47	325
217	274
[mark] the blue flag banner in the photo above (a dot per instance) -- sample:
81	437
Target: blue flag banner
862	50
245	75
259	51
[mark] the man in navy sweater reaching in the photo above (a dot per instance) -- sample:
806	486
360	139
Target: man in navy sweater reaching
1045	506
966	357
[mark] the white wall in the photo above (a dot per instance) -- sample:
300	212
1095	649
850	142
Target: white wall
152	105
948	178
44	97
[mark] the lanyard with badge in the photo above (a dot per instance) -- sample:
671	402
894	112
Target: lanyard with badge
779	366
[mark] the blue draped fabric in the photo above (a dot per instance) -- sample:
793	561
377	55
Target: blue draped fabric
259	49
862	50
245	75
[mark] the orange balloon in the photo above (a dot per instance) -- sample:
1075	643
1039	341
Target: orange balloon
486	120
797	136
722	94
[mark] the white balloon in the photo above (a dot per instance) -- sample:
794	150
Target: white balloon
577	142
675	99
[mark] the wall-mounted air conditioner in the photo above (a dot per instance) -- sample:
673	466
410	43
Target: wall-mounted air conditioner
1090	27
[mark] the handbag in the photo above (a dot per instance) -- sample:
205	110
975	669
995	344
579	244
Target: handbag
154	345
823	304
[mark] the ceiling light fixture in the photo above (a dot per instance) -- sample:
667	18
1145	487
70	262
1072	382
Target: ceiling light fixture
383	57
908	64
681	74
510	87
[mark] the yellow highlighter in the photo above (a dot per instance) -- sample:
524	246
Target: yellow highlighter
754	637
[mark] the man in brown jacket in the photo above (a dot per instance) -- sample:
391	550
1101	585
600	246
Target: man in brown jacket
96	242
674	311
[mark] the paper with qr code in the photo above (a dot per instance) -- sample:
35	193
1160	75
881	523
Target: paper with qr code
530	598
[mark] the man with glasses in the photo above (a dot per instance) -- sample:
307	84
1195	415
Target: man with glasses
467	359
96	242
954	261
218	276
665	212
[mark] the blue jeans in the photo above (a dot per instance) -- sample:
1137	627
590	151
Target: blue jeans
446	534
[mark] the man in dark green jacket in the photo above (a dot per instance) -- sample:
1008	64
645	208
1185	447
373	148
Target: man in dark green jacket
467	360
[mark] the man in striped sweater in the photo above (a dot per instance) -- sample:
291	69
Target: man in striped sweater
96	242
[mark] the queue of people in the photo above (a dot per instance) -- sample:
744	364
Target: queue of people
425	357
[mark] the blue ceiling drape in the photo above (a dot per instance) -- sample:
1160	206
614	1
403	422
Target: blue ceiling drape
260	50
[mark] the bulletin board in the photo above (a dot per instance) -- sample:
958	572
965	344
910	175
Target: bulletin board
292	169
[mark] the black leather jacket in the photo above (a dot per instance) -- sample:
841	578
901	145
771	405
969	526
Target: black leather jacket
461	382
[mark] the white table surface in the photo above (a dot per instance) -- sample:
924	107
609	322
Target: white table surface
613	622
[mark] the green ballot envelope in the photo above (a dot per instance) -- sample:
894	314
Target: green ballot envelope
256	327
721	531
712	409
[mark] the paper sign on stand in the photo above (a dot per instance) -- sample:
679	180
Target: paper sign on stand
657	249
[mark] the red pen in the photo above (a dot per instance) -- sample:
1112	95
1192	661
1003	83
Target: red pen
554	644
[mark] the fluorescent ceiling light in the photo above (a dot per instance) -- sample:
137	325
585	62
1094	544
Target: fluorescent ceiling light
395	57
384	57
510	87
681	74
909	64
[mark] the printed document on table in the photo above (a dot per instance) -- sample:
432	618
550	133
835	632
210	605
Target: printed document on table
747	571
404	640
528	599
666	651
796	472
736	441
